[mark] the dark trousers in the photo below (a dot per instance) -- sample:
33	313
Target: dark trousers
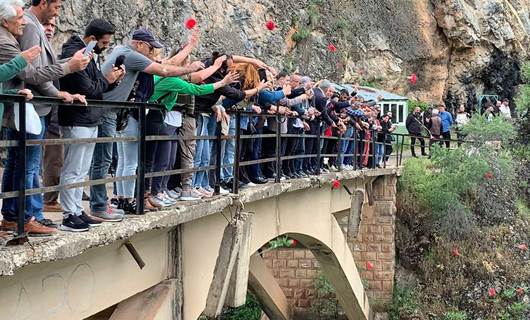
311	146
52	163
447	136
413	145
290	149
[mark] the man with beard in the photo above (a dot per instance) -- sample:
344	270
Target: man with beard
82	122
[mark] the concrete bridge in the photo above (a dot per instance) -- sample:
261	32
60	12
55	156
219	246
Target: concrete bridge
197	258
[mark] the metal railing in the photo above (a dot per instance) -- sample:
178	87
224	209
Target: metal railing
22	143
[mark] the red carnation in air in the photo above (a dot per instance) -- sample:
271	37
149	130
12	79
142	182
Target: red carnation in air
488	175
335	184
455	252
520	291
270	25
332	48
369	266
293	243
413	78
190	23
523	247
492	293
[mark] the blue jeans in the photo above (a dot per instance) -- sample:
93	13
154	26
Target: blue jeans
101	163
344	145
228	153
379	152
202	153
127	159
13	171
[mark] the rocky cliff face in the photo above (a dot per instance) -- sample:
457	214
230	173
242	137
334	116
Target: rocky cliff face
457	48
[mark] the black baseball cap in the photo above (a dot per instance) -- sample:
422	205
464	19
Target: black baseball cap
144	34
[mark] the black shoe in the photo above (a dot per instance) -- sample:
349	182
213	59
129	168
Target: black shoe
115	203
47	223
129	207
259	180
89	220
74	223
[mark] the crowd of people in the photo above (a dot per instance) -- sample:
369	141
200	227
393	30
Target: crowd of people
198	99
436	124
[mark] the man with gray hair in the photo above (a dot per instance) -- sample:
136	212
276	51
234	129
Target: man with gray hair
12	24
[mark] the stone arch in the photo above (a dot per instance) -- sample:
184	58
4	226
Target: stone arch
306	216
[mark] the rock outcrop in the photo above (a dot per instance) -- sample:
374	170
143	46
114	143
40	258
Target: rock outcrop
458	48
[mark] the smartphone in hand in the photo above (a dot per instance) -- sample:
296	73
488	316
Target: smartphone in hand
119	61
90	47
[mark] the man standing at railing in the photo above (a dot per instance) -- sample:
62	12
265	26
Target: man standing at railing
136	59
82	122
414	127
447	123
39	74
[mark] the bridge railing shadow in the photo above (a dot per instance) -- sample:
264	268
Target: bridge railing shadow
362	150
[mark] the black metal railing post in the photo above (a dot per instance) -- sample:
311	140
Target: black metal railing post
140	177
401	151
22	162
384	150
237	153
319	153
218	160
355	146
278	151
339	160
397	151
374	149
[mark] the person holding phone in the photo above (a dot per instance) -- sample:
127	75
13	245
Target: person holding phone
81	122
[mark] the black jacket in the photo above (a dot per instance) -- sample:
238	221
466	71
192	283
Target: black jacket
414	124
321	103
204	103
89	82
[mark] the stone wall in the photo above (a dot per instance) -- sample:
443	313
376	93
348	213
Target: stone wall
449	44
373	250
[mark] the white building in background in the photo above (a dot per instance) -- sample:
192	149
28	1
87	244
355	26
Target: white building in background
394	103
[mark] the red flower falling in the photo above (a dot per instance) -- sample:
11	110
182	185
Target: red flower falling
492	293
413	79
335	184
332	48
519	291
190	23
293	243
270	25
488	175
455	252
369	266
523	247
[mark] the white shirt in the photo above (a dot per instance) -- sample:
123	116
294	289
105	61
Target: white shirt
173	118
505	111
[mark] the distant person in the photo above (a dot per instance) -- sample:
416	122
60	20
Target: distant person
447	123
462	118
414	127
436	128
504	109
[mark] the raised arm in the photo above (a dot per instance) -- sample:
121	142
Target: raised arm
168	70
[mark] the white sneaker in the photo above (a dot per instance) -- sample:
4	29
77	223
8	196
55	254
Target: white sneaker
190	195
223	192
172	194
204	193
251	184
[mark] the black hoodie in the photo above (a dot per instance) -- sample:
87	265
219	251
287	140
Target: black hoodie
89	82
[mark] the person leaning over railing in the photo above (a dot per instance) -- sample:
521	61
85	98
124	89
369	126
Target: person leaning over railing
204	106
39	75
82	122
136	59
267	101
250	83
168	122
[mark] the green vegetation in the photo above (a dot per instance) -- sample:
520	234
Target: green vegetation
404	303
325	306
301	34
250	311
455	315
417	103
523	105
465	229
